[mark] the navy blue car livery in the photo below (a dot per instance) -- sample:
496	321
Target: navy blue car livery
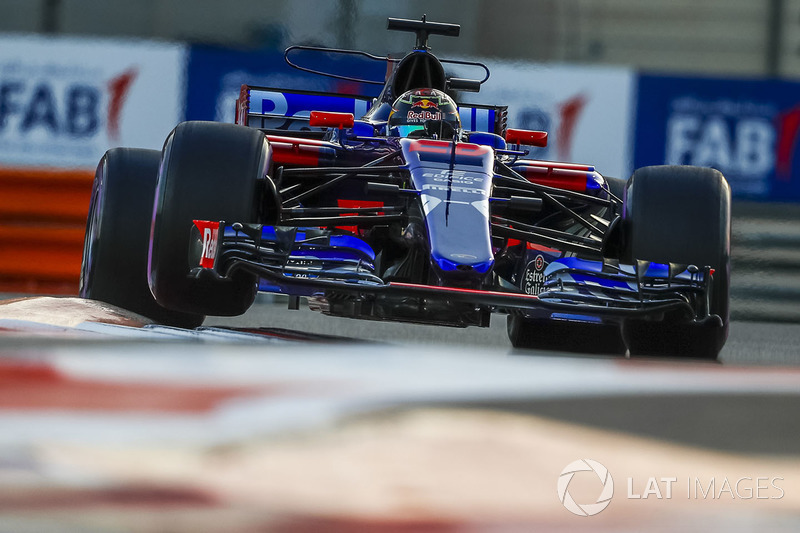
419	206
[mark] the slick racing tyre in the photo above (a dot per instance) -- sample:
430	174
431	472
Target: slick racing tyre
209	172
569	336
680	214
565	336
114	268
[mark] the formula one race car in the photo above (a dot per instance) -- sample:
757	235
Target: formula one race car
410	207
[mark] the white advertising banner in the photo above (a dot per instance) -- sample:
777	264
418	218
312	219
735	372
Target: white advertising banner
65	101
587	111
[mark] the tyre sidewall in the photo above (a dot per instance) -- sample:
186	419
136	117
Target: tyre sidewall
209	171
114	265
681	214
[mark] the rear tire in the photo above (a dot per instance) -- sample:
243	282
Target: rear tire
680	214
114	268
209	172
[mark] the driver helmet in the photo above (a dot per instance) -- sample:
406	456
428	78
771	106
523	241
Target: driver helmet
424	113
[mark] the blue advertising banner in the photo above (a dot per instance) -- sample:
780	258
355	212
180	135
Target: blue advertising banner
747	129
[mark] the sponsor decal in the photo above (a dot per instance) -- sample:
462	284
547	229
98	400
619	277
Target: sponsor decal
747	129
788	128
65	101
210	239
586	111
561	122
533	280
454	176
422	116
27	107
276	104
570	112
209	233
425	104
118	89
448	188
738	138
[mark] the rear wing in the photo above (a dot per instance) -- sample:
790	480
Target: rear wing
289	110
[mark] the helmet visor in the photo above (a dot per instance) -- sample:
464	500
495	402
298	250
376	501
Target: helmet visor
405	130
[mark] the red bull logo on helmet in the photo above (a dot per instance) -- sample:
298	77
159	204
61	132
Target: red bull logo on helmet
425	104
422	116
424	109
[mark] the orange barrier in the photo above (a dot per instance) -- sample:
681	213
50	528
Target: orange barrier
42	221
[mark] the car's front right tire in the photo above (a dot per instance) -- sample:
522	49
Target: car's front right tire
114	267
680	214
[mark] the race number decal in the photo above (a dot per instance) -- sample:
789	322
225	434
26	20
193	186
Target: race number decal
533	280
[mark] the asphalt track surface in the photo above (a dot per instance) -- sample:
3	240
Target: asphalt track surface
404	427
745	420
743	423
749	343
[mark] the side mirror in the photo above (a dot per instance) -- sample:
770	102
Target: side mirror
328	119
526	137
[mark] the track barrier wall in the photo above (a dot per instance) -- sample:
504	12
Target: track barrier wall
64	101
42	222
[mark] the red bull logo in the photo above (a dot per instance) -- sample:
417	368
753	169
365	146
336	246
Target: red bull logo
425	104
423	115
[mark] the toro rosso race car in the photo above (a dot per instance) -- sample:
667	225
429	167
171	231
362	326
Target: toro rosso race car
413	206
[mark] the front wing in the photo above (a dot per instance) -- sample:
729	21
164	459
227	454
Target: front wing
311	262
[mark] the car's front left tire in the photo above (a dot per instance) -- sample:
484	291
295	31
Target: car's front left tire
564	335
209	171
